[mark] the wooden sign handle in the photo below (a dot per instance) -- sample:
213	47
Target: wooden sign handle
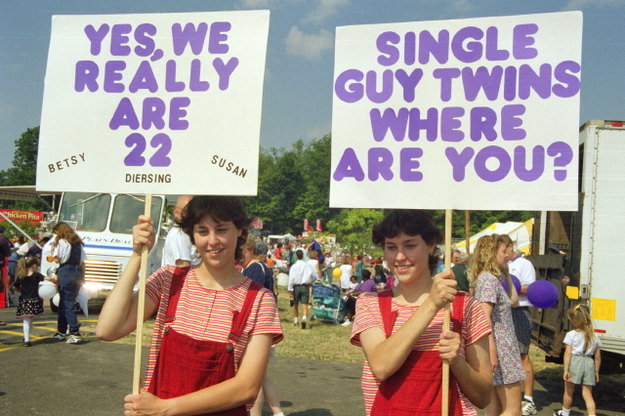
136	375
446	315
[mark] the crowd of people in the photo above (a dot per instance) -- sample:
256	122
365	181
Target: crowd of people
217	323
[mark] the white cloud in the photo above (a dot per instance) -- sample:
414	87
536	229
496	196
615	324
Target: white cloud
308	45
255	4
323	10
583	4
317	132
266	4
461	5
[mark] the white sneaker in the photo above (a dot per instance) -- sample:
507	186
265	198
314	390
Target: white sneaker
59	336
528	408
73	339
346	323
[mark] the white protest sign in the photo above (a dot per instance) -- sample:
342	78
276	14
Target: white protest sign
153	103
458	114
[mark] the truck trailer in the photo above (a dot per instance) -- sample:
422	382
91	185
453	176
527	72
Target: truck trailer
585	250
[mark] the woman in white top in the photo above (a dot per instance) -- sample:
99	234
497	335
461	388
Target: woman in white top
346	272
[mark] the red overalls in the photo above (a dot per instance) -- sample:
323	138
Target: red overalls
416	388
184	364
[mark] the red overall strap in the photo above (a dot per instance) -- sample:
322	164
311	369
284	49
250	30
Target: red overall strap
385	299
239	319
457	312
177	281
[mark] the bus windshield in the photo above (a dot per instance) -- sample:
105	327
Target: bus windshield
127	208
90	211
85	211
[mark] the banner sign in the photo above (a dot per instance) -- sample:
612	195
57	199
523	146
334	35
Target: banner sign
33	217
478	114
153	103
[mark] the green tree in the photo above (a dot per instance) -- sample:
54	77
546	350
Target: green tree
262	205
286	183
24	167
293	185
353	229
23	170
314	198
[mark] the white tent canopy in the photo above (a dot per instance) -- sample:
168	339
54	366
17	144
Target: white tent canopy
519	232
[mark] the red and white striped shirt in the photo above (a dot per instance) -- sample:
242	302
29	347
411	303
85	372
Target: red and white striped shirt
206	314
368	315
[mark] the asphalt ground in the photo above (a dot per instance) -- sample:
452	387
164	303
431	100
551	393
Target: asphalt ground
52	378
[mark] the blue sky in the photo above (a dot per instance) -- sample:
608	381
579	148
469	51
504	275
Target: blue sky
298	80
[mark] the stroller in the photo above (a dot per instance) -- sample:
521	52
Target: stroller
327	304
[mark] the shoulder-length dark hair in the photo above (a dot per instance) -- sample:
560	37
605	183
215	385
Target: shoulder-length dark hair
410	222
219	208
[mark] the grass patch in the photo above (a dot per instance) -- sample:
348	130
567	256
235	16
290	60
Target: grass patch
321	341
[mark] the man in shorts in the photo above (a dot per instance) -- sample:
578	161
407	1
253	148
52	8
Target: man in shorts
524	270
301	278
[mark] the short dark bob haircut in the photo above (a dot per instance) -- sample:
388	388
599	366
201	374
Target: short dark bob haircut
219	208
410	222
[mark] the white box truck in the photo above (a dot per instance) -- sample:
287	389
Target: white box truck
586	258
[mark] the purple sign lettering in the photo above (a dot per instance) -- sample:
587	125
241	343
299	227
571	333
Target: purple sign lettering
153	75
494	163
562	155
152	114
349	167
380	163
195	37
468	44
138	146
409	164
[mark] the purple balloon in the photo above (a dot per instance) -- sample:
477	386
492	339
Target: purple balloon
515	281
542	294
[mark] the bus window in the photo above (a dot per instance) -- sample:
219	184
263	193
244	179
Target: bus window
85	211
127	208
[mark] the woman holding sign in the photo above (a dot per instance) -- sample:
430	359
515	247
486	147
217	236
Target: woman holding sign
488	268
400	330
214	327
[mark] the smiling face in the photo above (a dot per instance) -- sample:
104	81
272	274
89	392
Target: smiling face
408	257
216	242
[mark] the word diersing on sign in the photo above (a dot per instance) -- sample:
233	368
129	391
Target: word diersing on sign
117	77
454	124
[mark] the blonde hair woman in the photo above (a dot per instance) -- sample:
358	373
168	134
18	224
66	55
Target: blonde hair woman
487	269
